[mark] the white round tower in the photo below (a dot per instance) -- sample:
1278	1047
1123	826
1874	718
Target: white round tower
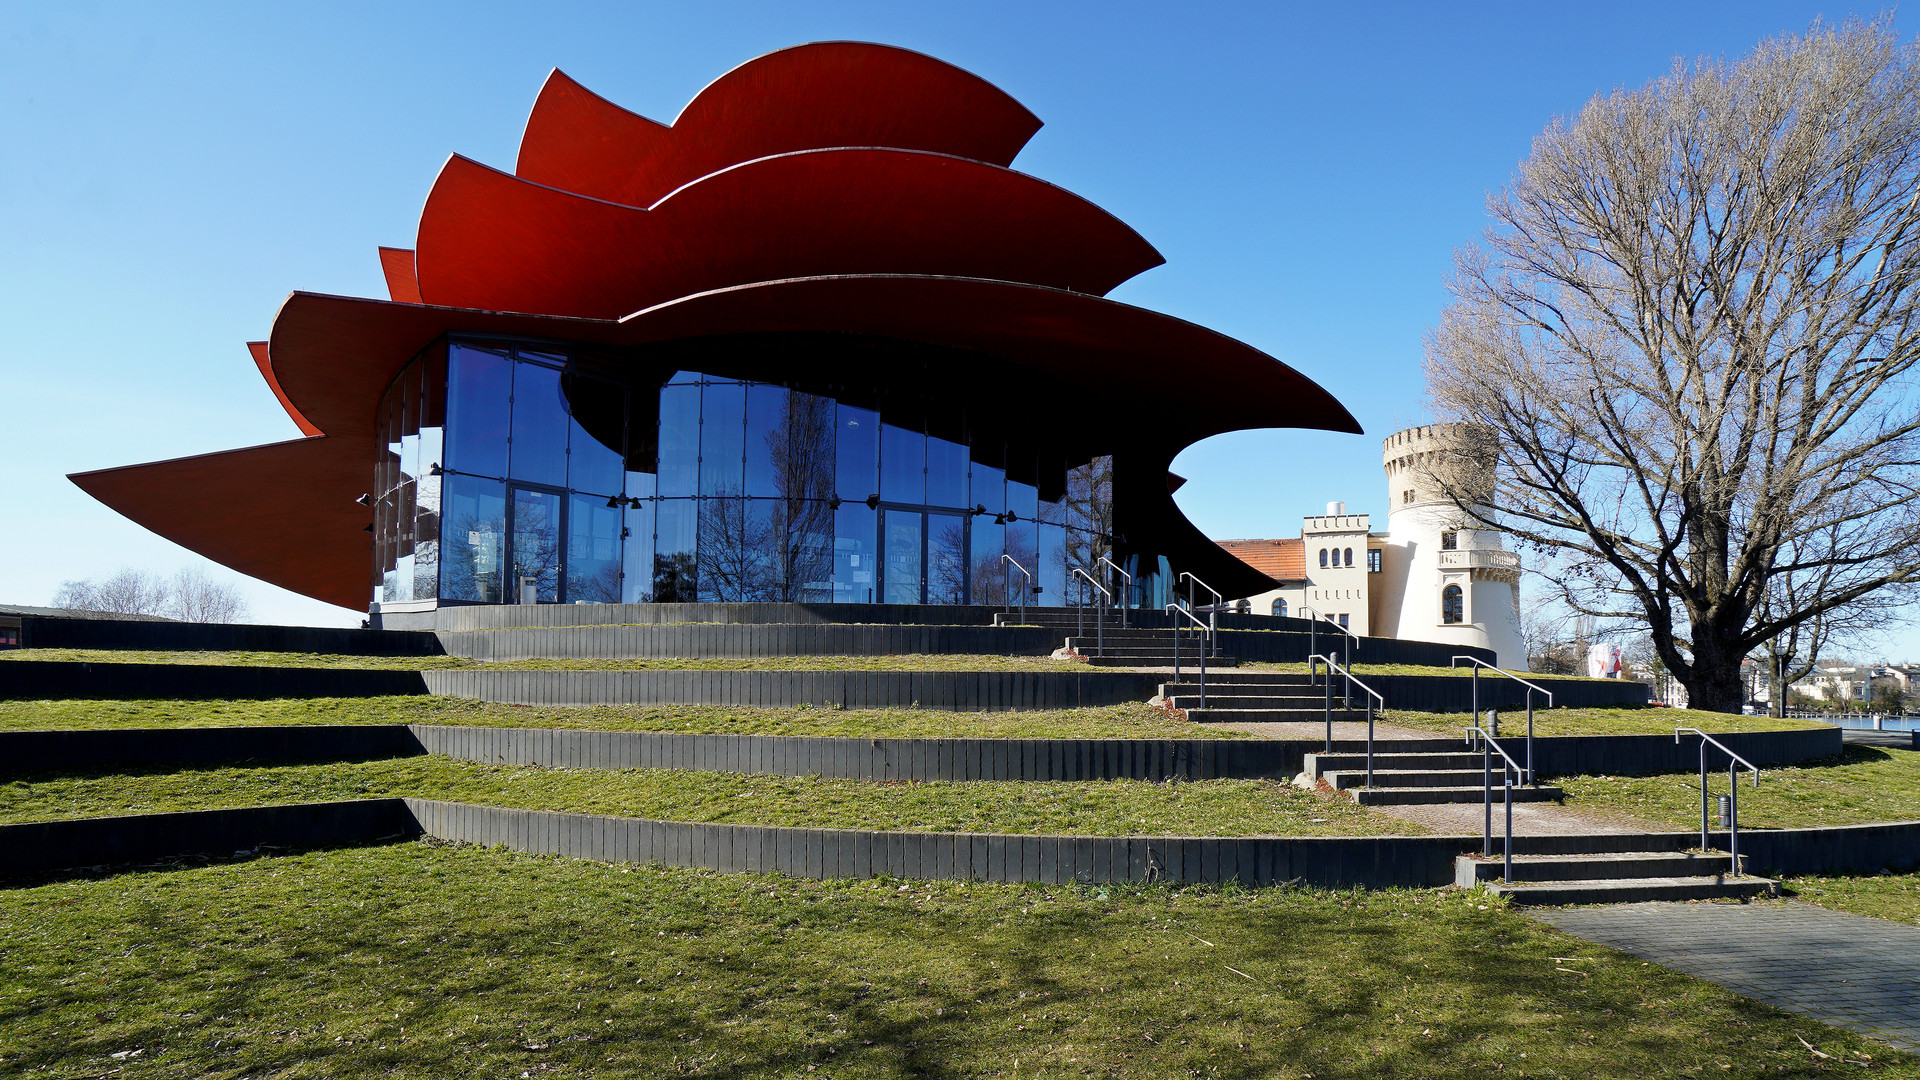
1446	577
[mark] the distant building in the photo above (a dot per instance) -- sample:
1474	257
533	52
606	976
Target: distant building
1432	576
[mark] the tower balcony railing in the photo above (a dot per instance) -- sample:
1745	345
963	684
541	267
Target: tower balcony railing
1479	559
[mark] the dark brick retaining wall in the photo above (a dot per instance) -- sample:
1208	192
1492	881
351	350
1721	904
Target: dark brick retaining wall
50	679
36	847
959	691
94	750
1443	693
47	632
729	640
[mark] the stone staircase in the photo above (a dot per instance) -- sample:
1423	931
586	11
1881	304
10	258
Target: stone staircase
1254	697
1115	646
1623	877
1407	776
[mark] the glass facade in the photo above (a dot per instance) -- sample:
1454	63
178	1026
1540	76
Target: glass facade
517	474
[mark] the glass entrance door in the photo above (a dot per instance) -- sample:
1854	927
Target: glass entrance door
534	531
923	556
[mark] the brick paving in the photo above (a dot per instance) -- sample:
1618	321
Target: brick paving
1851	971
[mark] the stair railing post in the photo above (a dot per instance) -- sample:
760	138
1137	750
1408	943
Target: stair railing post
1473	676
1080	615
1313	637
1329	689
1100	628
1532	780
1176	650
1369	742
1705	843
1506	773
1733	813
1203	673
1486	783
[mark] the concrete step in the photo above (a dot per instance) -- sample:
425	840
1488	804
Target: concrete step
1469	870
1317	764
1112	659
1636	890
1212	715
1233	698
1418	796
1344	779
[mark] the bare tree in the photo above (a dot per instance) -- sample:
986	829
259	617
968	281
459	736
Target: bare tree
1691	337
188	595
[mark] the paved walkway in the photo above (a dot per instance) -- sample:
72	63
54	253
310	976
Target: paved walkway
1851	971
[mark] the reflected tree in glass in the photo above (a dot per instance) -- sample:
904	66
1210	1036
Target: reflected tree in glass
535	548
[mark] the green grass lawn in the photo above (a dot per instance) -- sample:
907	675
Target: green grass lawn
1093	808
418	960
1865	784
1363	669
1644	720
1884	896
1130	721
903	662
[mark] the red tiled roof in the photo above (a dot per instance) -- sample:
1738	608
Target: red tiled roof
1282	560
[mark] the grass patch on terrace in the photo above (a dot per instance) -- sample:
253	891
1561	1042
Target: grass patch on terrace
1130	721
1895	897
1863	785
1363	669
1094	808
1644	720
418	960
903	662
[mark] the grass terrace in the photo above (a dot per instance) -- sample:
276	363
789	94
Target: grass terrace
1363	669
1644	720
903	662
1861	786
1895	897
1093	808
1129	721
413	960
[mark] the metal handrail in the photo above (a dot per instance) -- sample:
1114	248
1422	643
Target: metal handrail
1023	593
1531	687
1115	567
1313	636
1213	619
1352	681
1733	792
1100	624
1507	772
1176	609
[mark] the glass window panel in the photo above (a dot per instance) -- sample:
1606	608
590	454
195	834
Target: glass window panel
732	565
675	574
989	488
479	386
679	474
539	426
947	542
533	550
426	538
946	473
857	455
790	445
636	584
989	569
723	408
686	378
473	536
903	466
1023	545
855	555
1053	565
797	537
768	442
595	458
593	551
1023	501
900	556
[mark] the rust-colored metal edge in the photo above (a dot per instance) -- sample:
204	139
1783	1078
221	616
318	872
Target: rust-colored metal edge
403	282
258	349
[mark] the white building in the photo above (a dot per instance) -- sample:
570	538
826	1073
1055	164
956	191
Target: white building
1432	576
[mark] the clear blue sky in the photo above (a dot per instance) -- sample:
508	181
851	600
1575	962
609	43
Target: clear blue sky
168	173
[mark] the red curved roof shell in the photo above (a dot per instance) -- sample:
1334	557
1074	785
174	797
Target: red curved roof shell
839	188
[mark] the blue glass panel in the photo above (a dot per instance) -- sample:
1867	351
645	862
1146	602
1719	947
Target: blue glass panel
768	443
946	473
790	445
857	455
675	573
947	543
593	551
679	441
989	488
902	569
592	464
1024	546
730	554
636	584
473	537
903	466
989	580
855	555
723	408
540	424
1022	500
1053	565
479	386
533	549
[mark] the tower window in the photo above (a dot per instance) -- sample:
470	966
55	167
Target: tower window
1406	496
1343	622
1280	607
1373	560
1349	556
1449	541
1323	557
1452	605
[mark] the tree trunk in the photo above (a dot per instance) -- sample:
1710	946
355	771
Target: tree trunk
1713	680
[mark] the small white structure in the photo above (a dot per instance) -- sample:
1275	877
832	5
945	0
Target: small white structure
1435	575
